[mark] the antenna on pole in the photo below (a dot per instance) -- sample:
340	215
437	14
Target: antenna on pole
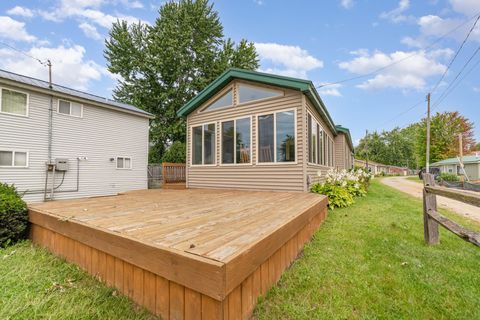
49	65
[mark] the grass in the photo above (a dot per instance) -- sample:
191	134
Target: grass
415	179
36	285
369	261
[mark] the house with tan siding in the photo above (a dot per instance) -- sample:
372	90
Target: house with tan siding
59	143
258	131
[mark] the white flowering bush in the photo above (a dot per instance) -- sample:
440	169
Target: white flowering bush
341	186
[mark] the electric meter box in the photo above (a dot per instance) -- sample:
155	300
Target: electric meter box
61	164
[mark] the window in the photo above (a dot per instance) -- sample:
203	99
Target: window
316	138
250	93
70	108
236	144
14	102
203	144
13	158
276	137
224	101
124	163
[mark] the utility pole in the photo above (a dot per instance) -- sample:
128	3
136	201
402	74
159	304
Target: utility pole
427	156
366	149
460	152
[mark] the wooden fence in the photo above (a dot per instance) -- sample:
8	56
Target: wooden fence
173	172
431	217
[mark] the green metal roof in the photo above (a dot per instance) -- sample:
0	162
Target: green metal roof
347	133
466	159
305	86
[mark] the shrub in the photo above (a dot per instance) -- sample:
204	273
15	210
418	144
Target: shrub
338	196
342	186
451	177
176	153
13	215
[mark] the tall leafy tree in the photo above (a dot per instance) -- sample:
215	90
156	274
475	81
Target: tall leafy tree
163	66
444	131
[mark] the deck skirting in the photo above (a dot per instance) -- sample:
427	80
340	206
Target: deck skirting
164	292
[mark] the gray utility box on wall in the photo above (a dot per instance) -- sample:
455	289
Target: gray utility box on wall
61	164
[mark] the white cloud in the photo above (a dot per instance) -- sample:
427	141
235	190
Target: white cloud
347	4
330	90
20	11
411	73
467	7
14	30
64	61
89	10
397	15
286	60
90	31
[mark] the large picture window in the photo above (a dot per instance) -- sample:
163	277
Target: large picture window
236	144
276	137
13	102
203	144
224	101
248	93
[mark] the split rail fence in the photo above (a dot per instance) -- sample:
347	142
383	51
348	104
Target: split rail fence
432	218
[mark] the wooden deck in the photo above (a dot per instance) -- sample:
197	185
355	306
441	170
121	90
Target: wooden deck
220	249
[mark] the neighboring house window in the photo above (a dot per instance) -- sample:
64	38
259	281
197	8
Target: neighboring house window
226	100
248	93
203	144
236	141
316	142
14	102
10	158
70	108
124	163
276	137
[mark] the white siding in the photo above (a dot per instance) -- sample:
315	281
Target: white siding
99	135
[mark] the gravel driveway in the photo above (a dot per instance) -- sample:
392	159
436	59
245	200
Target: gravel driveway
415	189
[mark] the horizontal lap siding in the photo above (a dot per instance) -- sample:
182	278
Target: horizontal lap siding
316	172
100	135
340	156
255	176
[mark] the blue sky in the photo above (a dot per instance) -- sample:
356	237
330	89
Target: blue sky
324	41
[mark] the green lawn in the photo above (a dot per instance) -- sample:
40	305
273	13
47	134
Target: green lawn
36	285
369	261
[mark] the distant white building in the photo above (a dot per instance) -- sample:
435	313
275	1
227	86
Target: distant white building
87	146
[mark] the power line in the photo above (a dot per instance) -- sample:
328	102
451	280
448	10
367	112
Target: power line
44	63
455	56
401	113
477	15
453	85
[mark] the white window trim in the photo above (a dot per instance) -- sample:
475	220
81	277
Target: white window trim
235	142
69	115
237	88
218	96
13	166
257	162
203	146
324	156
123	157
15	114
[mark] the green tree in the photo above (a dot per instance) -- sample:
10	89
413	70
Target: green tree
444	130
163	66
176	153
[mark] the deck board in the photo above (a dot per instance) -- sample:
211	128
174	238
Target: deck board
214	224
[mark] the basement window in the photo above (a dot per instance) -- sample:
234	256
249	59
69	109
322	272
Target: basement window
70	108
13	159
124	163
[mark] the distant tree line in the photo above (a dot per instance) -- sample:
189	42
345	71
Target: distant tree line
407	147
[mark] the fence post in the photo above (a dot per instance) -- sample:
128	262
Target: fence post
430	226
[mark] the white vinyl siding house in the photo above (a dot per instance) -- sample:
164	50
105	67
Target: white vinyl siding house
91	136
